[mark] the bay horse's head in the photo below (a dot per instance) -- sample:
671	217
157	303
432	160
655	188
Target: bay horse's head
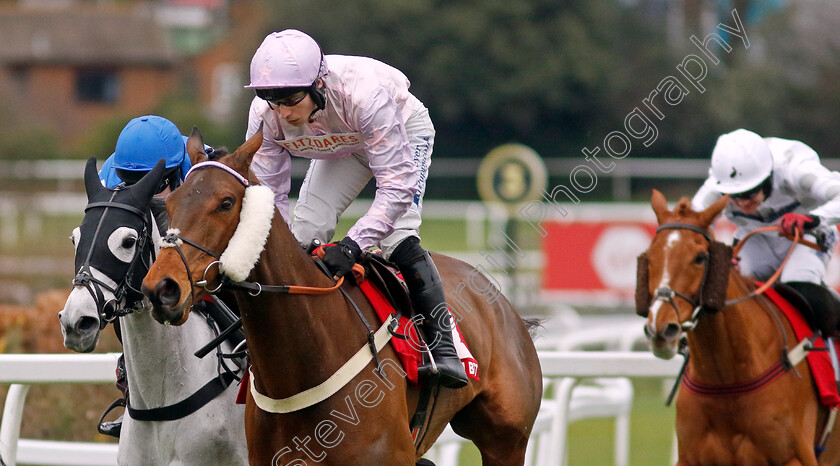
204	242
114	247
684	272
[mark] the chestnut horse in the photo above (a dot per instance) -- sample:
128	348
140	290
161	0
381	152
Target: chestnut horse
736	414
297	341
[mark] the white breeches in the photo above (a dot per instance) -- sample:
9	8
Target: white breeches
762	255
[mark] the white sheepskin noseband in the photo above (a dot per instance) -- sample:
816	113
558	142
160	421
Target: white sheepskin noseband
250	236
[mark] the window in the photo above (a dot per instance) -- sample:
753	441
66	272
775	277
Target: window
100	86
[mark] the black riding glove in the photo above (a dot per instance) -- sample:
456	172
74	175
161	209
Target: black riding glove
340	257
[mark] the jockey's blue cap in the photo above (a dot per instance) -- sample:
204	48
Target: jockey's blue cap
147	139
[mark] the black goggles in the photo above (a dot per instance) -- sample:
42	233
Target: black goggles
286	96
130	177
747	194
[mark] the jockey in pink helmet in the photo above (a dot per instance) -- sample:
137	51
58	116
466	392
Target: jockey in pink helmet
356	119
779	181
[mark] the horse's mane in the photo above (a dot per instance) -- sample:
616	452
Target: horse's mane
216	154
533	325
683	208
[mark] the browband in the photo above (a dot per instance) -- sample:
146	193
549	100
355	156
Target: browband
211	163
685	226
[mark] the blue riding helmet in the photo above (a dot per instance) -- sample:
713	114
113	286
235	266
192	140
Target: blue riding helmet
143	142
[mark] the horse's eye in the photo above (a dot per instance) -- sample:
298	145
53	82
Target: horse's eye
701	258
226	204
129	242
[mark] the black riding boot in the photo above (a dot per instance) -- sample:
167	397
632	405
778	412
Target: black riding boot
426	290
824	305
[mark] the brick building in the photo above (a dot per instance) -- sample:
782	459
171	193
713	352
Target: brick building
68	69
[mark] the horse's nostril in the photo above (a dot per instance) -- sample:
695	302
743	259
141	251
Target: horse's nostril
168	292
672	330
647	331
87	324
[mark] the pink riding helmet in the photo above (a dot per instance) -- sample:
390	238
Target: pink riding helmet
289	58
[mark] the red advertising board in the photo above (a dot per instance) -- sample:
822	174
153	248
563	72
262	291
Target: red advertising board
592	260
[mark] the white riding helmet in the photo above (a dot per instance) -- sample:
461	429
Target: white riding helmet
288	58
741	160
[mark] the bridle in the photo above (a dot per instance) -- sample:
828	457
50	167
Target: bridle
667	294
126	298
699	303
174	239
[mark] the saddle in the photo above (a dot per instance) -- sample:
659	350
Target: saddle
387	278
820	310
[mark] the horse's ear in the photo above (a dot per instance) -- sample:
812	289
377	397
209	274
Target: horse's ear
195	147
708	216
93	184
240	160
145	189
660	206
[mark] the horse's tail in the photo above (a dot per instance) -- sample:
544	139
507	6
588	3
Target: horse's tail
533	324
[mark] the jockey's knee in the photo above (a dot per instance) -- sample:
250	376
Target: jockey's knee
824	306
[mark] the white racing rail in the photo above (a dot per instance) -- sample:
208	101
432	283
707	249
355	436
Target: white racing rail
562	369
24	370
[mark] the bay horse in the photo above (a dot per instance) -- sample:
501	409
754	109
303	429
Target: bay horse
115	245
298	341
745	406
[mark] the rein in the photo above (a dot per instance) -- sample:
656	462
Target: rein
667	294
205	394
376	339
795	238
788	359
84	277
173	239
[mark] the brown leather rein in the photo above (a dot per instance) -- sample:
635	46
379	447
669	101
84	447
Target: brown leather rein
796	238
172	240
771	374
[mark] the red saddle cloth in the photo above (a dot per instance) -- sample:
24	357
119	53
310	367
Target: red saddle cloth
408	350
818	361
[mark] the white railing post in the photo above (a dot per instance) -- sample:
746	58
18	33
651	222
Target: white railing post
10	425
476	219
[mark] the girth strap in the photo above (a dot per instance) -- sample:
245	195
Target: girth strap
187	406
786	363
329	387
736	389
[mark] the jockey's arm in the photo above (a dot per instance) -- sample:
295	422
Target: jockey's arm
390	159
811	182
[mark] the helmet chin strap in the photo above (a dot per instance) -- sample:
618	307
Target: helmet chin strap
319	96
